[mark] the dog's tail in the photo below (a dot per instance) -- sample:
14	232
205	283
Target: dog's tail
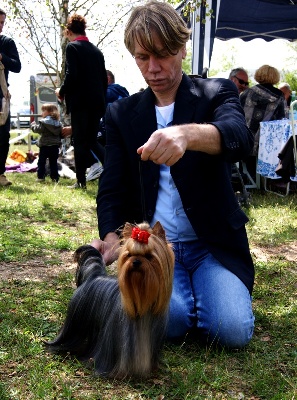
85	328
89	264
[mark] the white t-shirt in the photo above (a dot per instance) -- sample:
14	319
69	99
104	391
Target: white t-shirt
169	209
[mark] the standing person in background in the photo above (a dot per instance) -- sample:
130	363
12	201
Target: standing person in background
114	90
9	57
50	129
84	90
240	77
168	158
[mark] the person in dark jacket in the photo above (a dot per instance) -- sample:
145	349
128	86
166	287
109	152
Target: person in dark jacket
9	57
262	102
169	153
240	78
84	90
114	90
50	129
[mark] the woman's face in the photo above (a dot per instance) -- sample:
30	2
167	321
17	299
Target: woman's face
162	73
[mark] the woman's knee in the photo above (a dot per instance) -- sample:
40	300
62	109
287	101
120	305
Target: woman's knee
228	332
224	306
180	321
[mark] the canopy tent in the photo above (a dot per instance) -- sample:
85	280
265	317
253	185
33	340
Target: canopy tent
244	19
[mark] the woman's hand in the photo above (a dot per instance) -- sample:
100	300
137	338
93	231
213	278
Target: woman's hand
109	247
165	146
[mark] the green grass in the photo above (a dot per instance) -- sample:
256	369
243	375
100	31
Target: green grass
37	218
46	222
272	219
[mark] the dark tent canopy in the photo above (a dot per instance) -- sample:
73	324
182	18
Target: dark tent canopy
264	19
244	19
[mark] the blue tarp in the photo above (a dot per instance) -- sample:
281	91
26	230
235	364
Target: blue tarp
264	19
244	19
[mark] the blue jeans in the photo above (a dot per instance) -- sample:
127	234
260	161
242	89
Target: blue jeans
208	297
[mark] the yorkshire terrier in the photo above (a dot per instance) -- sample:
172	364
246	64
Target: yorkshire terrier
118	324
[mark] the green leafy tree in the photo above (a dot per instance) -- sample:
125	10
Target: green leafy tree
226	62
192	5
187	63
291	76
40	26
291	79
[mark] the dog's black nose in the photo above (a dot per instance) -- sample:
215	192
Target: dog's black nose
136	263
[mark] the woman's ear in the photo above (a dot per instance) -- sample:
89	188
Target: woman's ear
184	52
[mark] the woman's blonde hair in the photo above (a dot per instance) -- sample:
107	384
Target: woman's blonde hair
158	18
267	74
52	110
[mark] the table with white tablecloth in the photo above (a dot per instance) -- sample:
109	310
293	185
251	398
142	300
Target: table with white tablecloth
273	137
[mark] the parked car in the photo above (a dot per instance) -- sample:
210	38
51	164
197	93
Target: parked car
13	122
24	120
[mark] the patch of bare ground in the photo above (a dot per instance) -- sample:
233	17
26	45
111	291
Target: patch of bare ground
40	269
287	252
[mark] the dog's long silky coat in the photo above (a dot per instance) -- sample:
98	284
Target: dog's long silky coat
118	324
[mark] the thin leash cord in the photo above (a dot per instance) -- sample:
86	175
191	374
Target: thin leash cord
142	190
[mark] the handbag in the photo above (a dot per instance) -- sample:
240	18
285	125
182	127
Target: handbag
5	106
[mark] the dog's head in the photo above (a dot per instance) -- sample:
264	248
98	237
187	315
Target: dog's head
145	269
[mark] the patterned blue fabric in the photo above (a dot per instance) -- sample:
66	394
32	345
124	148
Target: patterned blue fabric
273	136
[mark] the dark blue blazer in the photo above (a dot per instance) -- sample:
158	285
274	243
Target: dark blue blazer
10	57
128	187
85	81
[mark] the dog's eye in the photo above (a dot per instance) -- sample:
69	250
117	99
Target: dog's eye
148	256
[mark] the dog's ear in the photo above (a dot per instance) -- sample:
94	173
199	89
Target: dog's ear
127	230
158	231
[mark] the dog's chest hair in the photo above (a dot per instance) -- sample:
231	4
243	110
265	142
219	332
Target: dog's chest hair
141	354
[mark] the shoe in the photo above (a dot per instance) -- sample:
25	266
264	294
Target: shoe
4	181
78	185
40	180
94	171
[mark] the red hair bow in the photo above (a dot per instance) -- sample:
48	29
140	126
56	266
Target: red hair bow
140	236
